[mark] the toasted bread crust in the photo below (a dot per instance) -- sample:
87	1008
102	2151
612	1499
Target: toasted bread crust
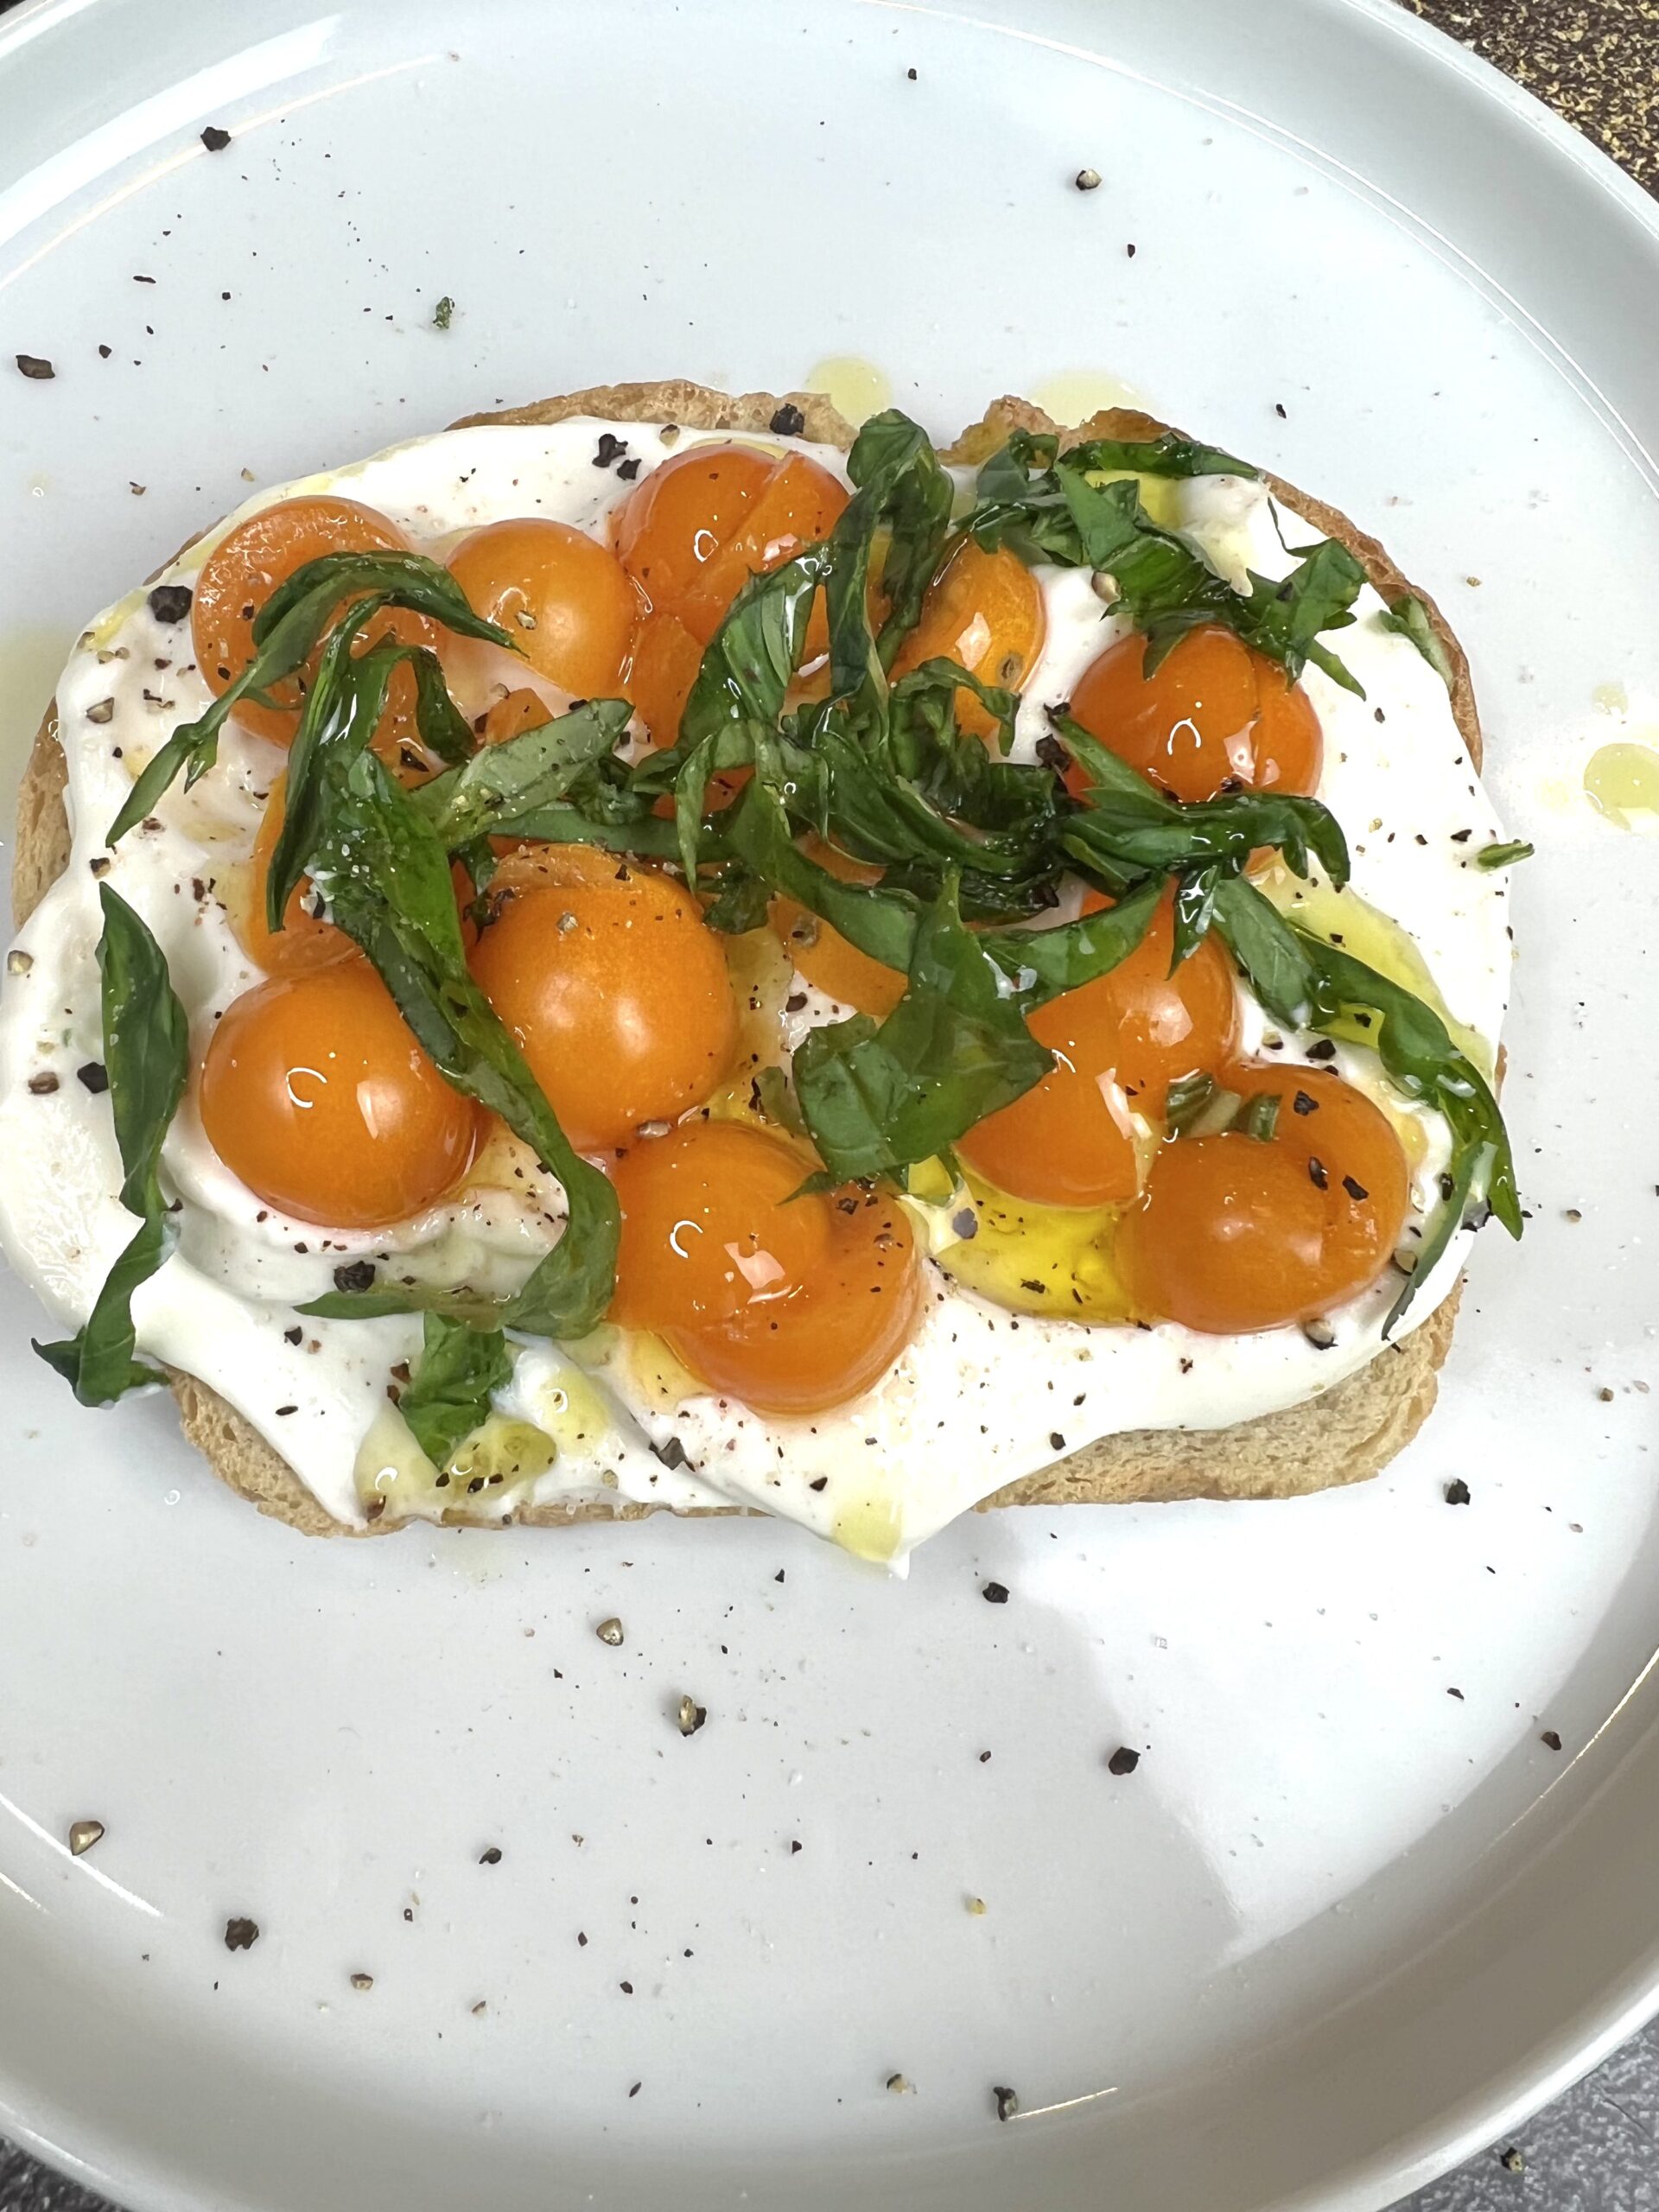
1344	1436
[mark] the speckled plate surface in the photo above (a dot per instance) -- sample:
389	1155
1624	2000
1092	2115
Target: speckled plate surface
1353	1907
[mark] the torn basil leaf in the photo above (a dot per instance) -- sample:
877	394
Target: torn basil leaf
147	1057
502	785
1495	856
390	890
1163	584
877	1098
287	631
1411	619
451	1383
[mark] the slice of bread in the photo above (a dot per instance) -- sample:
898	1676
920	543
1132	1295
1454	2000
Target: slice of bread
1344	1435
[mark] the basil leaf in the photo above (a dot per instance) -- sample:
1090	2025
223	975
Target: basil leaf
881	923
1042	963
1187	1099
1410	618
1493	856
449	1393
502	785
1273	958
454	1304
1168	455
389	888
286	633
147	1055
1164	584
1126	820
953	1050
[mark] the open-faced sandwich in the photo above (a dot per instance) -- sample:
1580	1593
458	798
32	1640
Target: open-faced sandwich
646	952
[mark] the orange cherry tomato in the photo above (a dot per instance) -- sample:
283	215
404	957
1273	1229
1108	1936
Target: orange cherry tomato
315	1093
241	573
305	940
789	1303
666	658
1214	715
1118	1044
558	593
512	715
827	961
618	995
692	532
985	612
1236	1234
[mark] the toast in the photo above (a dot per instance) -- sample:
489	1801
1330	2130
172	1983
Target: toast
1344	1435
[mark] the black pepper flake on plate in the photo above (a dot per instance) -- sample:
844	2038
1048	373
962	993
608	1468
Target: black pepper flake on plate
1122	1761
994	1593
671	1453
170	602
819	1482
355	1275
1457	1492
610	448
1550	1737
627	470
283	1410
35	368
94	1076
294	1336
215	139
635	2088
1056	1441
1322	1049
1007	2105
789	422
241	1934
491	1856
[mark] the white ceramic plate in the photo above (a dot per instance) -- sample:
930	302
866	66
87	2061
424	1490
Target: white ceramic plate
1341	1924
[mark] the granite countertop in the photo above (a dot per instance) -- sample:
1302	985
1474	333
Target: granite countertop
1597	2150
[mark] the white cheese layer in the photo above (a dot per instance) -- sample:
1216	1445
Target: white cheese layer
980	1398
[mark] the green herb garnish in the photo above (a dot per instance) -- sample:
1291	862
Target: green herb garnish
146	1055
1495	856
450	1385
1041	504
286	633
1411	619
